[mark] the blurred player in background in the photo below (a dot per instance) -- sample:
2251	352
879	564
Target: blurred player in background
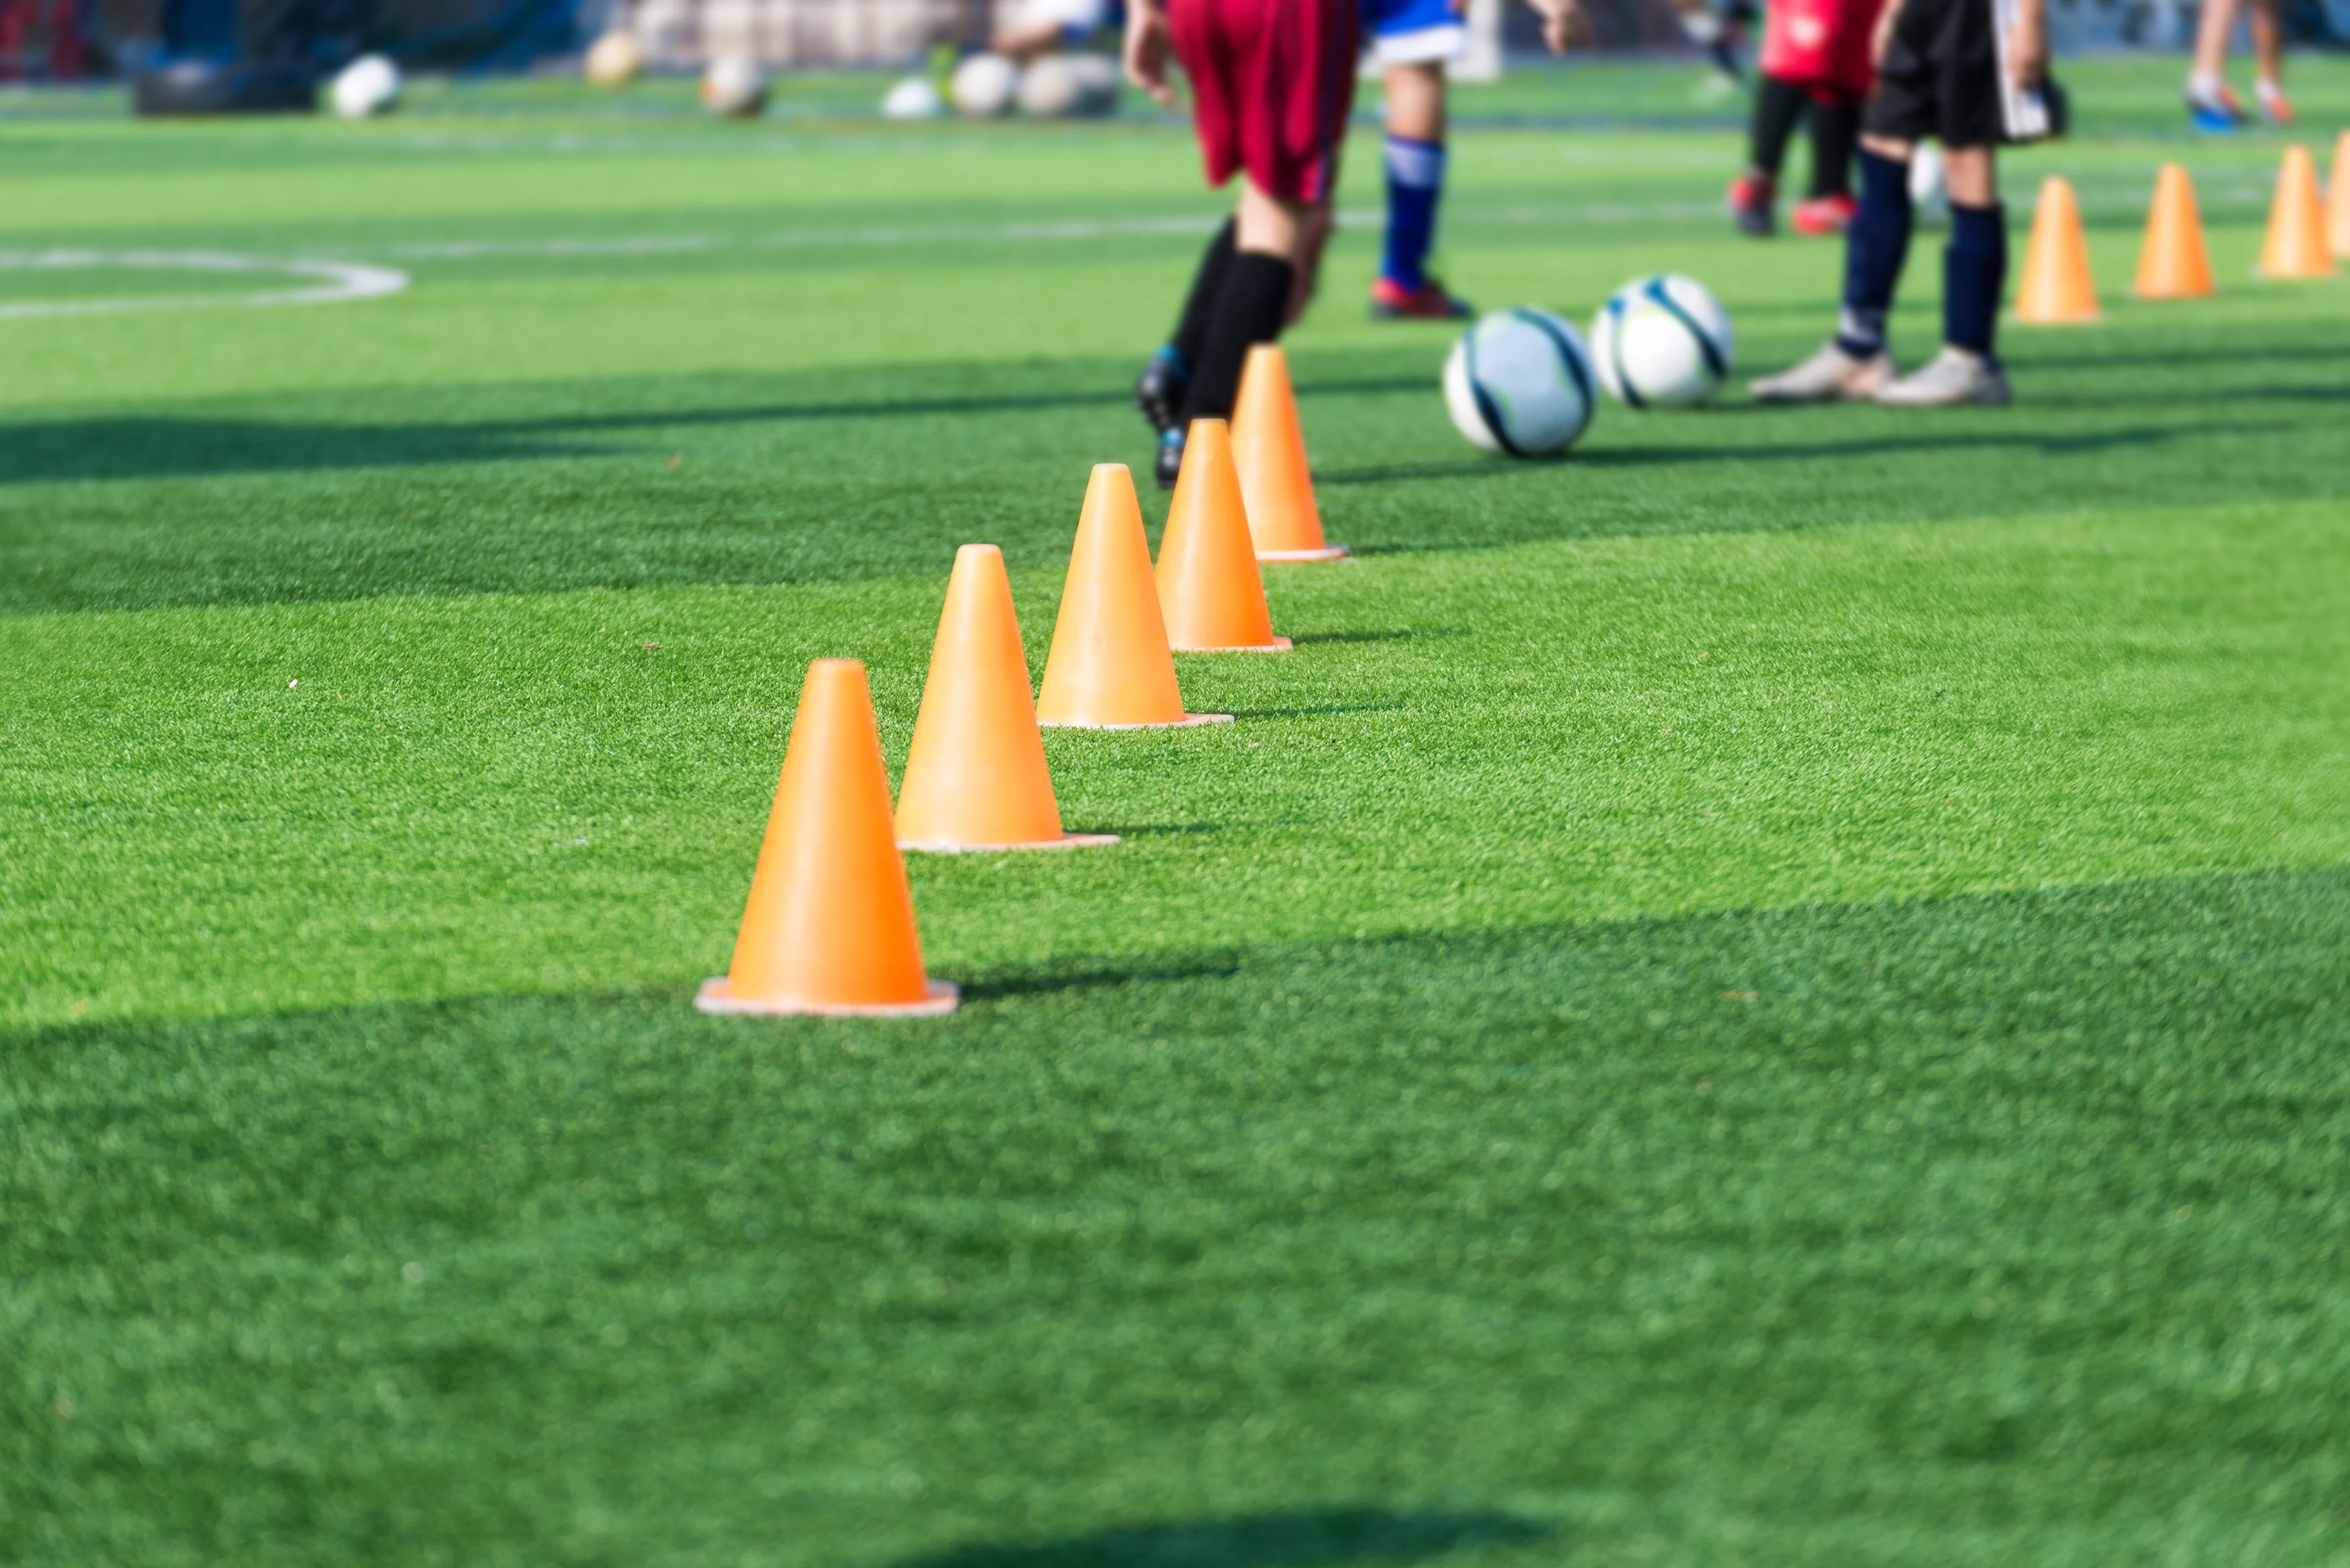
1411	43
1970	74
2210	106
1271	84
1039	27
1815	60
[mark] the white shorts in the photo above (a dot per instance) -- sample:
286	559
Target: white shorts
1446	41
1088	16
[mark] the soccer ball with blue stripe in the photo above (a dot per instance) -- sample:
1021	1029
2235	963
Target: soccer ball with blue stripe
1519	381
1661	342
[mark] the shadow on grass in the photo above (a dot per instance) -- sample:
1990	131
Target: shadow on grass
1303	1538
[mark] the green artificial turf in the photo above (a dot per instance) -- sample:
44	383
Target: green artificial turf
1777	991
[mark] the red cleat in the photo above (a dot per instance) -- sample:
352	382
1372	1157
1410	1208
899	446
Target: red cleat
1753	197
1391	301
1824	214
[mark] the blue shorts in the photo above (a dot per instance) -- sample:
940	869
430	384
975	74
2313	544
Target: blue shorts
1408	32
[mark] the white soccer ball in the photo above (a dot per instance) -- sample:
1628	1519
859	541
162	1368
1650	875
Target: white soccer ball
1519	381
1049	88
1661	342
982	86
734	87
1100	80
614	60
1929	195
367	85
913	98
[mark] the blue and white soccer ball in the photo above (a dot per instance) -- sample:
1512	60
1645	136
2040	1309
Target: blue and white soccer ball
1519	381
1661	342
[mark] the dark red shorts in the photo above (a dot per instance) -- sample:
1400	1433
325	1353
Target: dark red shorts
1271	84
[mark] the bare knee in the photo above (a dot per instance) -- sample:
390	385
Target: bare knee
1971	174
1898	151
1267	225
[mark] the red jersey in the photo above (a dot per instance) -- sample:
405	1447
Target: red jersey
1821	44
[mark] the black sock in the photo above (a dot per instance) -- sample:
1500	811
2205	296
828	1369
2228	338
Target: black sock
1836	136
1248	312
1190	339
1873	249
1777	106
1974	275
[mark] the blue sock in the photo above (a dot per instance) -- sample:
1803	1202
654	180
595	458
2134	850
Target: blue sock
1974	275
1874	250
1415	182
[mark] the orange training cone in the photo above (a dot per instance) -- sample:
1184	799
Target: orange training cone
975	777
2337	200
1209	584
2056	288
2296	241
829	928
1270	451
1110	668
2172	262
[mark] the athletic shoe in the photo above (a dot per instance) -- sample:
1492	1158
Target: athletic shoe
1829	376
1822	214
1171	458
1751	198
1951	378
2216	113
1391	301
1159	390
2275	107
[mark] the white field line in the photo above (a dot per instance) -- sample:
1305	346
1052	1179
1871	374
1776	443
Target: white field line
335	281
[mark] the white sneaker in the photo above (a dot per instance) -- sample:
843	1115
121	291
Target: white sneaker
1954	376
1827	376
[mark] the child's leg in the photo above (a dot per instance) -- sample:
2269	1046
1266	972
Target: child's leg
1974	261
1777	106
2268	51
1875	246
1415	167
1248	305
2204	86
1835	135
1166	377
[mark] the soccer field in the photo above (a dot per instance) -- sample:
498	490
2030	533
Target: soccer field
1776	991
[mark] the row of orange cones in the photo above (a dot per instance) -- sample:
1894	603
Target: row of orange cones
830	926
2305	234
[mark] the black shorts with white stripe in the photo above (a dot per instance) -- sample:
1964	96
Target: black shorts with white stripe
1945	78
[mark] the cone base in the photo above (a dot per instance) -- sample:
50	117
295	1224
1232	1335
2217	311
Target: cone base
1278	645
717	995
1326	553
2092	319
1188	721
1067	841
2262	273
2172	293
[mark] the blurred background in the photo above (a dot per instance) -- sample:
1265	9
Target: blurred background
62	41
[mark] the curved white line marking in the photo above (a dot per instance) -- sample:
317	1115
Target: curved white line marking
335	281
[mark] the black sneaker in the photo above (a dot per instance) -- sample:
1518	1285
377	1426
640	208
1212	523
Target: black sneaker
1159	391
1171	457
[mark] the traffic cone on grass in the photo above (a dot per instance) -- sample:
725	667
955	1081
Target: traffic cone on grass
975	776
1270	452
2337	200
829	927
2296	244
1208	585
2172	262
1110	668
2057	291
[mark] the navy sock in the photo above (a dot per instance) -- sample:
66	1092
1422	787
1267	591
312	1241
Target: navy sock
1415	185
1190	339
1249	309
1874	250
1974	276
